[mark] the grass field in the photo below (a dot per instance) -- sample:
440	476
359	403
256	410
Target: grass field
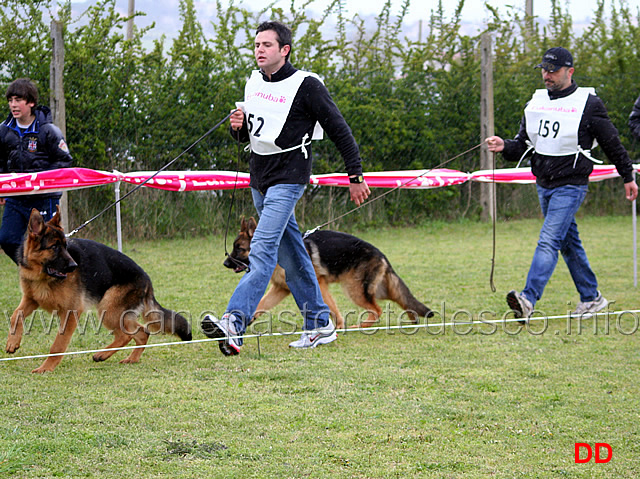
441	402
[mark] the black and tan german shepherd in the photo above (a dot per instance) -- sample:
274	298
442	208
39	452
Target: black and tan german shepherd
69	277
362	269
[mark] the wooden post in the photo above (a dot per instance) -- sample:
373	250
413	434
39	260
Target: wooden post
487	190
132	10
56	101
528	12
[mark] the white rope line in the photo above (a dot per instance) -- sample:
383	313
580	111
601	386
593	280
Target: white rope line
345	330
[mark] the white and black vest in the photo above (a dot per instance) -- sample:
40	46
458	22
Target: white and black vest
552	125
266	107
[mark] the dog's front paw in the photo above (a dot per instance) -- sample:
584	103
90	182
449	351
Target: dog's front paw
48	365
13	344
129	361
43	369
98	357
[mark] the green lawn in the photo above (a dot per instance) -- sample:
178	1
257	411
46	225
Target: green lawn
493	401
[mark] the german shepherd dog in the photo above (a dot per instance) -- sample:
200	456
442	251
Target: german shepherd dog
362	269
68	277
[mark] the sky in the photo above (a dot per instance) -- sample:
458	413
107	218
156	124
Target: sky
165	13
473	10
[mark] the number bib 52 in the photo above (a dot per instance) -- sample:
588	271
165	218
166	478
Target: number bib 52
266	107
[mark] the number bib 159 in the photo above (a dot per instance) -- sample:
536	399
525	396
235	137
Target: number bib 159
552	125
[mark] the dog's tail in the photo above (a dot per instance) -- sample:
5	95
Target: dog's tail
401	294
158	318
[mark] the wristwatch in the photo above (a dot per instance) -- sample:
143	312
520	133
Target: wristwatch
356	179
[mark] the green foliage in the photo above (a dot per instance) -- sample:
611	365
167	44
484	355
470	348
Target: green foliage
25	47
411	103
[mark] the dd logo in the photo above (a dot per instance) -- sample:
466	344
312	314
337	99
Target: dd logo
589	454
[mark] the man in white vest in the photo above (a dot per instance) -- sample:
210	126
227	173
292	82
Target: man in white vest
284	109
560	126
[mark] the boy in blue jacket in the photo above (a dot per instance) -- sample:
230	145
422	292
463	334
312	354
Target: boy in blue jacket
29	142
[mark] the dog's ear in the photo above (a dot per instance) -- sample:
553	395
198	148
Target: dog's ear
243	224
36	223
55	220
251	226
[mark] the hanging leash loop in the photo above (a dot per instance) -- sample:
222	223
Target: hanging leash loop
240	264
494	214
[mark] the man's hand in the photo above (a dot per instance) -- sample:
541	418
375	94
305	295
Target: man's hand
237	119
495	144
631	190
359	192
2	201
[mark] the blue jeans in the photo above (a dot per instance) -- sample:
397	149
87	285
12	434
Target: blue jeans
560	233
16	218
277	239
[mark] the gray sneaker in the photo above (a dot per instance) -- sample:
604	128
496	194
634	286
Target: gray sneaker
521	306
594	306
222	328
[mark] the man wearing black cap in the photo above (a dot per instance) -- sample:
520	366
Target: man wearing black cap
560	126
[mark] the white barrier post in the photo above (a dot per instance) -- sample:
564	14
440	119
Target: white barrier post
635	239
118	222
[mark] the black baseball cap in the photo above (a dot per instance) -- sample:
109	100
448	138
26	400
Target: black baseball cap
555	58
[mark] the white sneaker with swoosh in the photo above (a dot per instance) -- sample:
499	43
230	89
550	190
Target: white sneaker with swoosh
311	339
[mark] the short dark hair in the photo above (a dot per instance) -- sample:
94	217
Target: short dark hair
23	88
283	33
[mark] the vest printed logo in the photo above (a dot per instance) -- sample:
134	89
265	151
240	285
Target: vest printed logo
33	145
63	146
268	97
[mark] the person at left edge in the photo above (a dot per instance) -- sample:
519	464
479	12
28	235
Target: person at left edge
634	119
282	112
29	142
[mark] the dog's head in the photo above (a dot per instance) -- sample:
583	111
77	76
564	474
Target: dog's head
238	259
44	250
